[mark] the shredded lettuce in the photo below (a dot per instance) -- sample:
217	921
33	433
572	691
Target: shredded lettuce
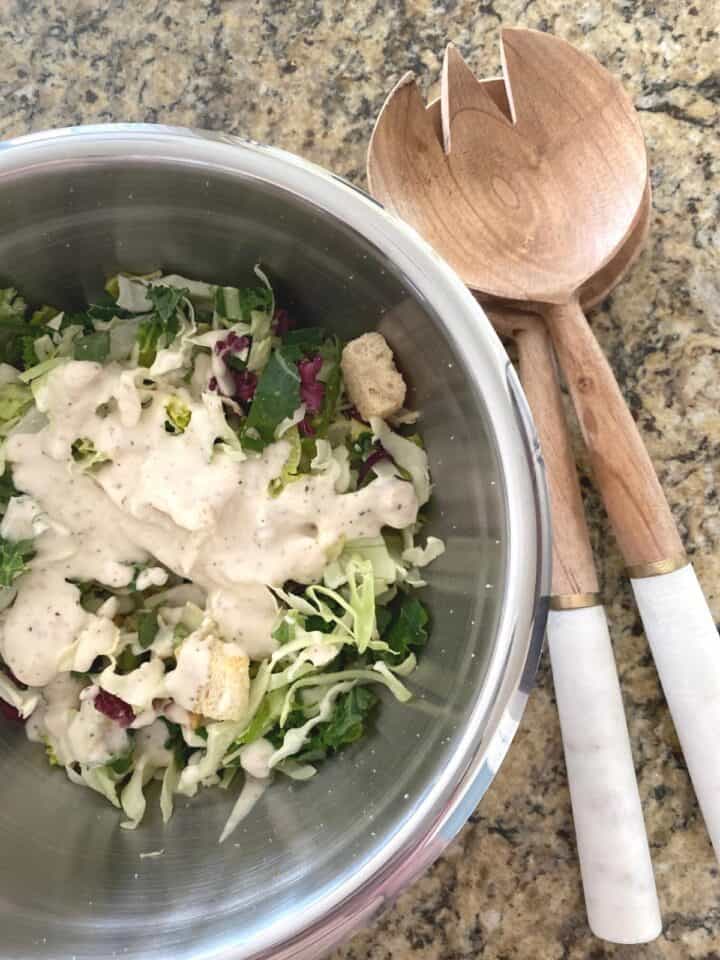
7	488
407	455
139	687
219	737
85	454
224	437
277	397
379	673
249	795
290	467
170	781
407	631
92	346
159	328
15	399
422	556
14	557
346	724
12	305
386	564
103	781
178	414
295	739
24	701
132	798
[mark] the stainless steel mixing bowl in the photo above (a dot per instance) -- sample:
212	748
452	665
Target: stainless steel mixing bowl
313	860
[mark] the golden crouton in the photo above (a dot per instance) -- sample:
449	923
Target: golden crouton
211	678
372	380
225	694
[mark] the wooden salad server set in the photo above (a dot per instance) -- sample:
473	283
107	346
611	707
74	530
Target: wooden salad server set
534	187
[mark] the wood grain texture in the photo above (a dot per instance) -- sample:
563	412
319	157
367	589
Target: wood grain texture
537	189
621	466
573	566
536	199
636	505
596	288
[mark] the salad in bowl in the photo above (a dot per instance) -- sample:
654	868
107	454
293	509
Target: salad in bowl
210	541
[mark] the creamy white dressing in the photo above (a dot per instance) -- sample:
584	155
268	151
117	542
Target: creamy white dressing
194	509
150	744
139	687
245	614
255	758
22	520
152	577
77	732
249	795
98	638
41	625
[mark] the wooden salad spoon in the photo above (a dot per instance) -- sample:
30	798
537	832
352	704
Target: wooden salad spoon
528	208
618	882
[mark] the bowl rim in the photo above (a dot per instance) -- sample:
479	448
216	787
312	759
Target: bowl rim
445	806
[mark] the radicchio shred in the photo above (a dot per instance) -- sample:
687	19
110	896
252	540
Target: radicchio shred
306	428
114	708
232	343
282	322
378	454
245	384
312	390
245	381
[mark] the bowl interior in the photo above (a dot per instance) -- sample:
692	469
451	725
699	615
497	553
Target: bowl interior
72	883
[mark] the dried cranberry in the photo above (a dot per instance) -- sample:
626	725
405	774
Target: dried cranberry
114	708
282	322
312	390
245	384
378	454
9	712
212	383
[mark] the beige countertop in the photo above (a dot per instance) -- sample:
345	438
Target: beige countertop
310	76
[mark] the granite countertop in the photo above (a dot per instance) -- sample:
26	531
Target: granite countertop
310	76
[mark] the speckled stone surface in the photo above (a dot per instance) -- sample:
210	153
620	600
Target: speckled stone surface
310	76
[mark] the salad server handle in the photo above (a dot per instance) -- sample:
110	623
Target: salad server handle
675	613
685	645
612	844
615	865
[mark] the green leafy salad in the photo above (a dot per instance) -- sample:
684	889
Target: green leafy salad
210	540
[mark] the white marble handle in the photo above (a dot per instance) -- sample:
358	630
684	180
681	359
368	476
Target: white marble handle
685	644
617	873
